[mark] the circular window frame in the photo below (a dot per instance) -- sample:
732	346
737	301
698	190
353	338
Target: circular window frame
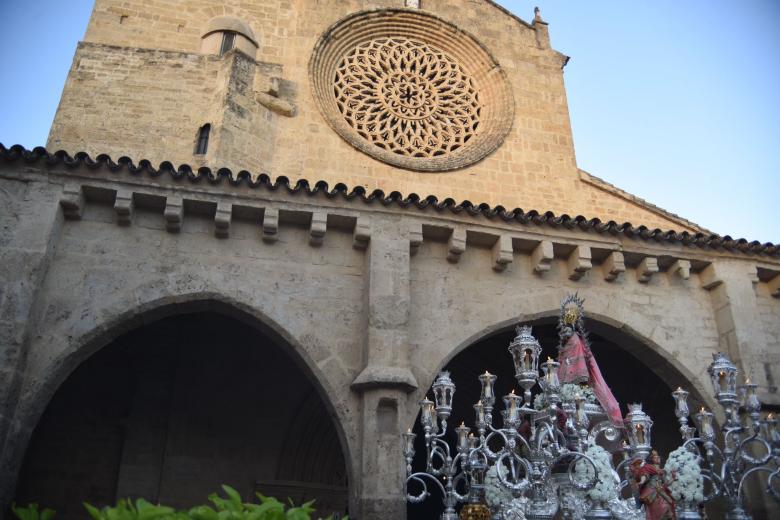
348	34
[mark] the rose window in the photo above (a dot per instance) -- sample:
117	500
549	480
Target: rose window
407	97
411	90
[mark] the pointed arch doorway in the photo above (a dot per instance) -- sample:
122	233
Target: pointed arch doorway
173	409
634	371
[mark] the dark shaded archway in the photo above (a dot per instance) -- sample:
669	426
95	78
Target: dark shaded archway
634	372
173	409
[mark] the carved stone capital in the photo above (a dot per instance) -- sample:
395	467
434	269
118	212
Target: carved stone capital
646	269
174	214
222	220
613	265
72	201
710	278
270	225
318	227
456	245
502	252
682	268
579	262
362	233
123	207
542	256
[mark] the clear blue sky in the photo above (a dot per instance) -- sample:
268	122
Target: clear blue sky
675	101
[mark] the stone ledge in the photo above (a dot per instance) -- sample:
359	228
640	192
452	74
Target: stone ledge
385	377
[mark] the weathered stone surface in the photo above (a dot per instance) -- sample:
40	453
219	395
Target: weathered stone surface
391	292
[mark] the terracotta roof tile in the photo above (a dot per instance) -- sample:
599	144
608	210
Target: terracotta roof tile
703	240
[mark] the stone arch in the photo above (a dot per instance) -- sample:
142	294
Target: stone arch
605	309
612	327
467	357
41	386
241	34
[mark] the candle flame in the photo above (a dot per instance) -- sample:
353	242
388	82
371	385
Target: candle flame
549	359
471	435
462	424
722	373
513	392
770	416
747	381
679	389
702	409
408	430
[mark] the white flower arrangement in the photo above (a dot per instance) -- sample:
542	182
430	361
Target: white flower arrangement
606	487
689	484
567	393
496	494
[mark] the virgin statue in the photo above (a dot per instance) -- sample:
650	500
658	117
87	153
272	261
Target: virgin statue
577	364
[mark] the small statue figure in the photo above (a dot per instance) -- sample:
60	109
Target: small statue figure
653	491
577	364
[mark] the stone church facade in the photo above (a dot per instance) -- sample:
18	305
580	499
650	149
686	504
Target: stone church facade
274	222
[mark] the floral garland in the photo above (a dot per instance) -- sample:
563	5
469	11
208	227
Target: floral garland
568	392
496	494
689	484
605	488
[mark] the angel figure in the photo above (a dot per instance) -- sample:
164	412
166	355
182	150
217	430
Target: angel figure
653	491
577	364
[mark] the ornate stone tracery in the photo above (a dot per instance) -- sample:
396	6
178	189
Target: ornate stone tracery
411	90
407	97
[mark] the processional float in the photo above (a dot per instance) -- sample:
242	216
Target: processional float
546	457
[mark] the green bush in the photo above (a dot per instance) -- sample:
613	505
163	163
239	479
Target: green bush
229	508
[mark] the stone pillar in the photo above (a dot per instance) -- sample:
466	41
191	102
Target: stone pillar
742	337
30	222
735	305
386	378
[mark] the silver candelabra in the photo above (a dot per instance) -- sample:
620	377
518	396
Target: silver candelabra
535	450
748	444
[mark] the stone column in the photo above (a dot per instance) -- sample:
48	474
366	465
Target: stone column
30	223
741	336
386	378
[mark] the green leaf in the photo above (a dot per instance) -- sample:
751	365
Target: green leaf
47	514
26	513
93	511
203	513
235	498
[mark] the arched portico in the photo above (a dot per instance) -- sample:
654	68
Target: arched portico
46	375
650	333
635	369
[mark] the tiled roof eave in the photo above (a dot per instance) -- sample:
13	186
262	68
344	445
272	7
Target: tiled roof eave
18	153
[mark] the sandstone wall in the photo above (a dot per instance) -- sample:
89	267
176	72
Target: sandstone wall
129	100
372	299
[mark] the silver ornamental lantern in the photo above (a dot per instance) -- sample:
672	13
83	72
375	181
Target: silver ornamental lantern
681	412
746	448
443	392
723	374
525	350
638	428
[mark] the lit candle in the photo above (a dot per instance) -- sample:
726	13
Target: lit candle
426	408
527	360
681	402
479	410
722	381
472	441
409	442
704	419
510	402
640	434
463	437
488	397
